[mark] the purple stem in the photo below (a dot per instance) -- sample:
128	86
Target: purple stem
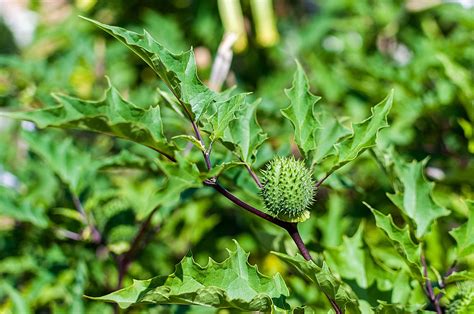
96	236
429	288
126	259
290	227
254	176
318	184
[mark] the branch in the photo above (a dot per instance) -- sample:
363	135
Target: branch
318	184
253	175
290	227
429	288
126	258
96	236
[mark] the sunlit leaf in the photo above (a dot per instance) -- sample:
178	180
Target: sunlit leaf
415	200
363	136
327	133
463	275
244	133
111	115
233	283
301	111
178	71
225	114
400	237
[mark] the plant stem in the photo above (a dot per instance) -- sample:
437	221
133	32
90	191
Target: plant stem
429	288
96	236
290	227
234	199
254	176
126	259
318	184
334	305
295	235
70	235
205	153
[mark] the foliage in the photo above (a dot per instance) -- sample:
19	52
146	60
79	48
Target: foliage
101	195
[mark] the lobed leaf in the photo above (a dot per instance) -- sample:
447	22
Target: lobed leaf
124	159
234	283
364	134
463	275
301	111
352	260
111	115
400	238
334	288
178	71
328	132
245	133
145	196
225	114
21	210
416	201
74	167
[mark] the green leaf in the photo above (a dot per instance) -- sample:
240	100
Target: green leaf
384	308
20	303
364	134
334	288
178	71
74	167
13	205
416	200
193	140
463	275
352	260
301	111
234	283
464	234
334	222
111	115
328	132
400	238
145	196
244	133
224	115
217	170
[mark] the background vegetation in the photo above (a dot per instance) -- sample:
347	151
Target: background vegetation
72	202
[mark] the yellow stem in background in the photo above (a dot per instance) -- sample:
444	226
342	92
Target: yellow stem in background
265	25
233	20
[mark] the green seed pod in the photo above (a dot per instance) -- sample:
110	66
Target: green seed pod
288	189
463	300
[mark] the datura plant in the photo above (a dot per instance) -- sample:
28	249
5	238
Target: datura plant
196	140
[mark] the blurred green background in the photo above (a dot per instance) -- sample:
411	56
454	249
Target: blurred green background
354	53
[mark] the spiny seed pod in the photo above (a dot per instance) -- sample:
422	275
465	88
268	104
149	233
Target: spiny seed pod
288	189
463	300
